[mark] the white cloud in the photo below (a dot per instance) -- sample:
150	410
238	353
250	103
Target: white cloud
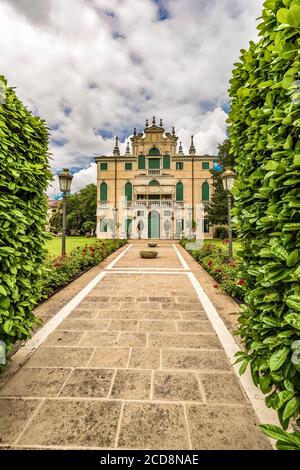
97	64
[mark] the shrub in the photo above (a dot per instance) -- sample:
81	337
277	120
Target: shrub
61	270
24	179
264	133
215	261
221	232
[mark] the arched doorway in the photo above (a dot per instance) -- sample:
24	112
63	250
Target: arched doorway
153	224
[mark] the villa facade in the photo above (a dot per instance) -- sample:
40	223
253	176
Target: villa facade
154	190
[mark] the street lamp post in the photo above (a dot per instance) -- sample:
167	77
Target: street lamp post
65	180
190	210
228	181
114	234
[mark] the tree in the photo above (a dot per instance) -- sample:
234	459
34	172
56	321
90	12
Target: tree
217	210
81	208
88	226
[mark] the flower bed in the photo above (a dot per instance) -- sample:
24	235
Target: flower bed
227	273
59	271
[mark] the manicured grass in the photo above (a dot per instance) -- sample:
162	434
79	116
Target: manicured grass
54	245
221	244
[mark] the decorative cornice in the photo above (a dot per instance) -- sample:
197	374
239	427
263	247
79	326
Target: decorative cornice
181	158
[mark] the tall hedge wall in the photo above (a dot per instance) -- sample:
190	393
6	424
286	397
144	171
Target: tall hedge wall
24	176
264	133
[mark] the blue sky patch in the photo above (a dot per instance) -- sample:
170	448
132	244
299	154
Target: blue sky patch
163	13
58	141
104	133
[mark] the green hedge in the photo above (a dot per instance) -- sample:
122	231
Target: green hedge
264	133
24	178
61	270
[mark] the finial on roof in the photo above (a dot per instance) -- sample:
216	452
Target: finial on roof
147	123
173	130
160	122
180	148
116	148
134	131
192	149
127	152
153	120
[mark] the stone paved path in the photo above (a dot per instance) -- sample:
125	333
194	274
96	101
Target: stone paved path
136	364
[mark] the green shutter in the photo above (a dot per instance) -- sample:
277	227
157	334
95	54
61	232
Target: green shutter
166	162
128	191
103	166
103	192
128	166
179	191
205	191
154	163
141	162
205	165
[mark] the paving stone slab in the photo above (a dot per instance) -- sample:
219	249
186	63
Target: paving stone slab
123	325
132	340
109	357
35	382
131	385
191	326
74	422
60	357
222	388
82	314
83	324
99	339
63	338
14	415
224	427
94	383
120	314
176	386
195	359
162	315
157	325
187	341
144	358
153	426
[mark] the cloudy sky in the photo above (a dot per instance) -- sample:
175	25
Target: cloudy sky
97	68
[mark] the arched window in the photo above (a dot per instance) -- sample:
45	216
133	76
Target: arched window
205	191
154	151
103	192
179	191
128	191
103	225
154	183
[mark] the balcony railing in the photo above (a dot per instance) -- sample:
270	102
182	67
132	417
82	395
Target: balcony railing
154	172
103	204
153	203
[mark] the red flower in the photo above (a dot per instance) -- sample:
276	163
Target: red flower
215	286
218	270
241	282
209	263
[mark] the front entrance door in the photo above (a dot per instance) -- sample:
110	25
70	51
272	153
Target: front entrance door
153	224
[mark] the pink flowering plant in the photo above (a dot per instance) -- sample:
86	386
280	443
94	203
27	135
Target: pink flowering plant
227	273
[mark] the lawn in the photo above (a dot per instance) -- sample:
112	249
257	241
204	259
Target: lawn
221	244
54	245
